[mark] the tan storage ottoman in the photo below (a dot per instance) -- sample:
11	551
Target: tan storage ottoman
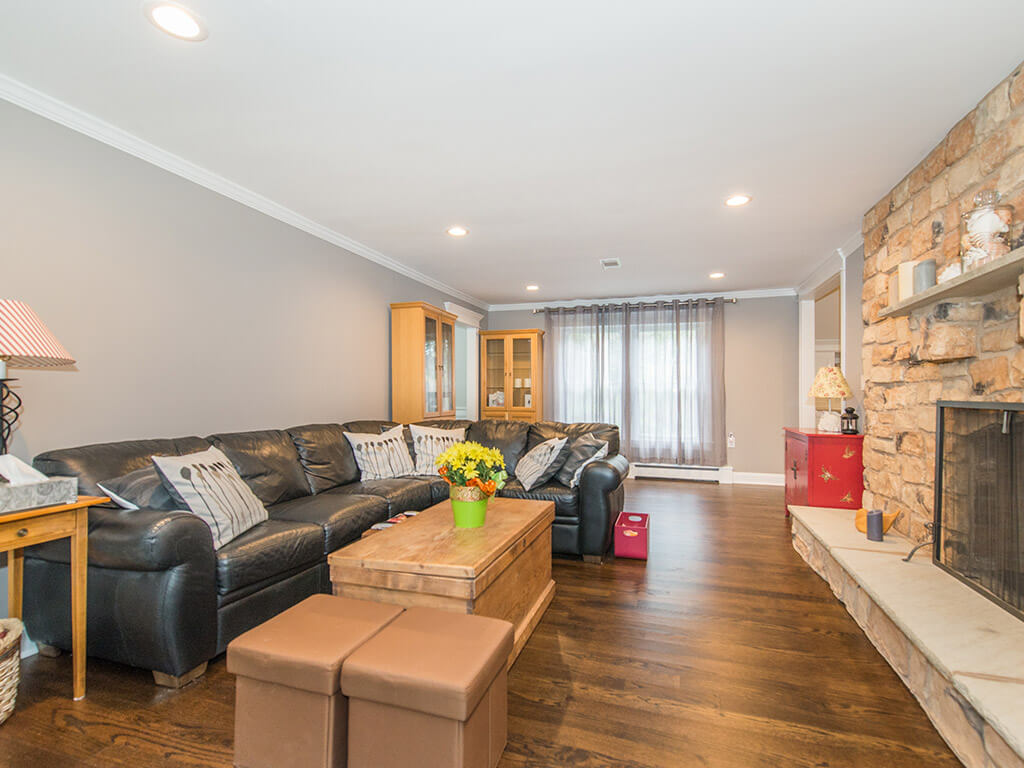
289	712
429	691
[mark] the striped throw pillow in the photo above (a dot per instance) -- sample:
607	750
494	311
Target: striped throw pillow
431	442
381	456
207	484
541	463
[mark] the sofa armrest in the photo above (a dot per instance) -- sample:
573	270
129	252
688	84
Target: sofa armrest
138	540
601	499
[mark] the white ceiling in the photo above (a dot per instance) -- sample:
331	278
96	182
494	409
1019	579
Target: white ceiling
557	132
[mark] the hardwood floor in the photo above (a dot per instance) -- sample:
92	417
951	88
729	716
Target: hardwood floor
724	649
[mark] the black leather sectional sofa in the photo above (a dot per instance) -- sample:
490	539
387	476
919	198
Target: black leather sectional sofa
161	598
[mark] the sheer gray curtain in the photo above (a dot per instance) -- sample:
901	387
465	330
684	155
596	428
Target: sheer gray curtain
656	370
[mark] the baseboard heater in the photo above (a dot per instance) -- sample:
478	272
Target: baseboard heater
721	475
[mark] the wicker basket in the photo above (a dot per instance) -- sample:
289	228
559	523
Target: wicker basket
10	666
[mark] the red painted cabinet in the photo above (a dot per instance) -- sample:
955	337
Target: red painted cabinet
824	469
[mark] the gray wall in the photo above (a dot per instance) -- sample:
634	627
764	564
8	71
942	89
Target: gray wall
514	320
760	375
188	313
760	379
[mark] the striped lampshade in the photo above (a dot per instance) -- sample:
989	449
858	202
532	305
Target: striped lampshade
24	341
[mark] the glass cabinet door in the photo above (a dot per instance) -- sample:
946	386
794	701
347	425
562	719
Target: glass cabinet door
522	372
430	367
494	370
447	367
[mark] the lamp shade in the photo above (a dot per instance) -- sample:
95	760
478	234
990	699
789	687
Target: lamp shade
830	383
24	341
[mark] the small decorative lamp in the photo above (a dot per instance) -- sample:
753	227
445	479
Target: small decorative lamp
24	343
830	383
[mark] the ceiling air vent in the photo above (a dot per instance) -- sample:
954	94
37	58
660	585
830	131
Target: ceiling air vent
611	263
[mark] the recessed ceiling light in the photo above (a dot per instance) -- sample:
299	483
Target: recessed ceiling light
737	200
176	20
533	287
612	263
457	231
717	275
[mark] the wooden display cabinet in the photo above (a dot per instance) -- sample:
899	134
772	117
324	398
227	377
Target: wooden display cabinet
511	375
422	362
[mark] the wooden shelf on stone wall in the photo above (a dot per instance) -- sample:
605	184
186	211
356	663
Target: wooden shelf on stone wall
996	274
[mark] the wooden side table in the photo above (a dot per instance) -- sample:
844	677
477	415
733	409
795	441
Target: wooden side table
35	526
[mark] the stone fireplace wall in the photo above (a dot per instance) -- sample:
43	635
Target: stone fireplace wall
958	350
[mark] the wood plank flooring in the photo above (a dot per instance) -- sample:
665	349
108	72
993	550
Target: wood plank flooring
723	650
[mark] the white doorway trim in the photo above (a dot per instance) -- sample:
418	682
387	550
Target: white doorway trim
468	322
829	275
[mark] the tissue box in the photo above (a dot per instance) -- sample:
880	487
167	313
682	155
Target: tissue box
45	493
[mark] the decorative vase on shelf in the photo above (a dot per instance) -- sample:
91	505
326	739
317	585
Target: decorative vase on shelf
469	506
474	474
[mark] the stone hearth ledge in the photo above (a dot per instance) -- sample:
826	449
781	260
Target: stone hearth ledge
936	632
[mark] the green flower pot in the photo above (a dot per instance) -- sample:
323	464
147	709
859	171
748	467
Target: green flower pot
469	506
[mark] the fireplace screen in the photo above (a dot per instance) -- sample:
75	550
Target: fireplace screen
979	477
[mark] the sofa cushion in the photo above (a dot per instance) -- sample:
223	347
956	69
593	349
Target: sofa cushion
438	487
207	484
383	456
509	437
368	426
542	462
430	442
141	488
267	461
582	451
401	493
545	430
326	456
567	500
272	548
92	463
343	517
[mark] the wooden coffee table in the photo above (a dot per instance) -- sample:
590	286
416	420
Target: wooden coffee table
501	570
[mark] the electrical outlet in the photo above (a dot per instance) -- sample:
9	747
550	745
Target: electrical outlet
732	439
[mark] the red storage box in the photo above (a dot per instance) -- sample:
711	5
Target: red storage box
631	529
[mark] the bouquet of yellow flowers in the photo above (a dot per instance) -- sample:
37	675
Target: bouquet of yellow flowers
471	464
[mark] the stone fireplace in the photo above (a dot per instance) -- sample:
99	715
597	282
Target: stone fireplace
963	349
958	651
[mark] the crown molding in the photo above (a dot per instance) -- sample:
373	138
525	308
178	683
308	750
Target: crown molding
464	314
70	117
768	293
829	266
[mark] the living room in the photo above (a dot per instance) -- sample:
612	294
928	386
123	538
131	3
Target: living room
638	269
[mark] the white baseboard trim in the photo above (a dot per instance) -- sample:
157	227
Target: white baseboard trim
721	475
758	478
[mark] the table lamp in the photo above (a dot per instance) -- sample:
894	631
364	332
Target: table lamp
829	383
24	343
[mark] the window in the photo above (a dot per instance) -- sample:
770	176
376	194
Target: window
656	370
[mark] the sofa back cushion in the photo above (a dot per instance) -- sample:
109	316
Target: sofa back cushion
545	430
509	437
267	461
368	426
326	456
102	461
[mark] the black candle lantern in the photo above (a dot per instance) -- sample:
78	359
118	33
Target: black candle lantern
849	420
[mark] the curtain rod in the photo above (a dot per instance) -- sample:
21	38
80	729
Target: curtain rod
637	304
